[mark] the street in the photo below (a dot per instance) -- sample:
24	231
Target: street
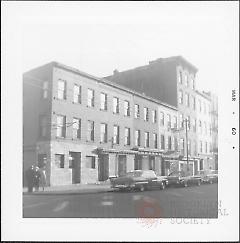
190	202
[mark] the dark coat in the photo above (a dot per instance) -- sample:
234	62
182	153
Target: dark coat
30	176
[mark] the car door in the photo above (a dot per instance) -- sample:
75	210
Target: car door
152	179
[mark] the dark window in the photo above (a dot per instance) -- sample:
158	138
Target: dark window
115	105
103	98
116	131
61	89
90	98
103	133
127	136
77	94
61	126
162	142
169	143
91	161
59	160
162	119
90	131
176	143
126	108
155	140
137	137
137	111
146	114
76	128
146	139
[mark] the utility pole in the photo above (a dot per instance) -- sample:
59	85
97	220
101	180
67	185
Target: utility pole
186	124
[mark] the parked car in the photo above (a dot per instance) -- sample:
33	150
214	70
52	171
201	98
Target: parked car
139	180
182	178
208	176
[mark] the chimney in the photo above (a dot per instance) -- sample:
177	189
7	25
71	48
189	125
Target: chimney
115	72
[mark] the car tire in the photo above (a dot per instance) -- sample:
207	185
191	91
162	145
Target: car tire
141	189
185	184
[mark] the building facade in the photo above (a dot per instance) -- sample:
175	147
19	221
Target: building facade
173	81
86	129
204	131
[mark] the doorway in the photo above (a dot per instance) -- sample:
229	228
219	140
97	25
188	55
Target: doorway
122	165
75	165
103	167
138	162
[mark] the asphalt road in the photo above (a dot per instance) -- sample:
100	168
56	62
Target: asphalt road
190	202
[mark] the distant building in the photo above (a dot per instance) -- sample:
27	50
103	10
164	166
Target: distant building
87	129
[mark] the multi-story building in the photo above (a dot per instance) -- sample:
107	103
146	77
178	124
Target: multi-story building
214	126
86	129
172	81
204	131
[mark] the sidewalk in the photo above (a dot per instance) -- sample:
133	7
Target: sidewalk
73	189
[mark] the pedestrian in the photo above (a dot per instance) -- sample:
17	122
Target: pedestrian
30	178
37	176
43	178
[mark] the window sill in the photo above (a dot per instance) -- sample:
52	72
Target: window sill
76	103
91	107
62	100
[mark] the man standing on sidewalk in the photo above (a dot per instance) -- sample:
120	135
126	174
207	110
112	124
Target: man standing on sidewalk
30	178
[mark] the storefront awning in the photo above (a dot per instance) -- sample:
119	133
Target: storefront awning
171	155
114	151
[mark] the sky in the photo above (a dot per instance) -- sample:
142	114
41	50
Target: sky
99	37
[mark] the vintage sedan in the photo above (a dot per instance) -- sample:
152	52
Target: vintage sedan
181	178
139	180
208	176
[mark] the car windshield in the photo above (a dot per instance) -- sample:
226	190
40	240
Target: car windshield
175	173
134	174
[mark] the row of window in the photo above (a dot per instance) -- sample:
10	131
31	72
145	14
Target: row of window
205	109
183	78
91	160
76	130
203	128
170	123
77	94
60	161
166	142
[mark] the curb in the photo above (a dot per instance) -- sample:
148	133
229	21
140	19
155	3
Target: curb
68	192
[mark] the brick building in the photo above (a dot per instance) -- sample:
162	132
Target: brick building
172	81
204	131
87	129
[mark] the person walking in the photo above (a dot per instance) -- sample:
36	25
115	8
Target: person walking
37	176
30	178
43	178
